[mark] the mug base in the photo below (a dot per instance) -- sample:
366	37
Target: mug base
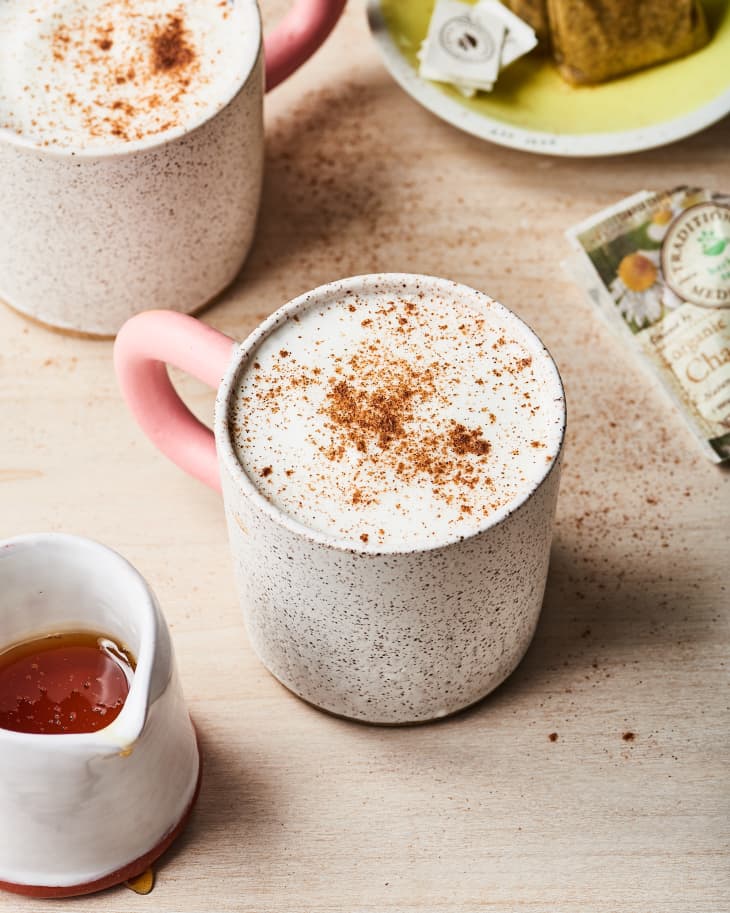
119	876
400	724
75	333
61	331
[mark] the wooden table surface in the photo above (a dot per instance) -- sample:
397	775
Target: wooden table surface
300	812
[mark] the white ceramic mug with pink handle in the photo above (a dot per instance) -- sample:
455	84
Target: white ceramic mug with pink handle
389	511
99	223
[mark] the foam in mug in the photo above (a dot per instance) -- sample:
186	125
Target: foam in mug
93	73
398	420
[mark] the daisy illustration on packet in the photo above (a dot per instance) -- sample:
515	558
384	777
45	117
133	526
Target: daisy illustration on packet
657	265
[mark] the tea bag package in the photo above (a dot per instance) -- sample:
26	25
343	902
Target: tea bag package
657	266
593	42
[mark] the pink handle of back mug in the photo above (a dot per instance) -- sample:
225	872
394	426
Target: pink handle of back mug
298	36
144	346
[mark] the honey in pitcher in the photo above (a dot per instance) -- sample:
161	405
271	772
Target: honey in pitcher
63	683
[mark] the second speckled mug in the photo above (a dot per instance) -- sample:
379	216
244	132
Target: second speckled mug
388	610
93	232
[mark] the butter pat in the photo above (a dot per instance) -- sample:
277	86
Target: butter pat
467	46
519	38
459	49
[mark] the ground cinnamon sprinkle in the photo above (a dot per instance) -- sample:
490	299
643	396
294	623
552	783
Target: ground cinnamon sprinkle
171	49
465	441
374	414
363	415
105	43
159	62
374	410
60	41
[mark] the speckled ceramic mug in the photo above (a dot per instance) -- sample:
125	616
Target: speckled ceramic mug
89	237
382	634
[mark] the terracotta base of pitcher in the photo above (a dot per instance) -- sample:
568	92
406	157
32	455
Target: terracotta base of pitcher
119	876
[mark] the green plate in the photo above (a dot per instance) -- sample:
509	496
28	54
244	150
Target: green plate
532	108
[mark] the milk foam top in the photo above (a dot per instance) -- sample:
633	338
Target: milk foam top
88	74
397	412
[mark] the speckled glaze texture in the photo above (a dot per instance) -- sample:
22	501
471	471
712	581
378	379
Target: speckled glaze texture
394	638
389	636
88	241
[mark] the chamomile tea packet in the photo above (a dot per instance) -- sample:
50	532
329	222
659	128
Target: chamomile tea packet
657	266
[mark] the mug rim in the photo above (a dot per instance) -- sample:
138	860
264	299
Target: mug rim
125	728
156	140
362	283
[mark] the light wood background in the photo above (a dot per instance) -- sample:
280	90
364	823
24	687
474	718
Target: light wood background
303	813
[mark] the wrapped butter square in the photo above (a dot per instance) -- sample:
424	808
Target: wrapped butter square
468	45
460	50
519	38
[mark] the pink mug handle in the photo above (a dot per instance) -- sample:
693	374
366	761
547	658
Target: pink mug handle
143	347
298	36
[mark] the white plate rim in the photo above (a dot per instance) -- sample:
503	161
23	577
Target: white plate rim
571	145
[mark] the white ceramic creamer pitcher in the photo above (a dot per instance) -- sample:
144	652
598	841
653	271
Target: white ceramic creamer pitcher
81	812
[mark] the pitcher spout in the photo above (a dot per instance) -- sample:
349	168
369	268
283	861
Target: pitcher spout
153	673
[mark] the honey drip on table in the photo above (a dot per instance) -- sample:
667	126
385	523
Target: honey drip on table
143	883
